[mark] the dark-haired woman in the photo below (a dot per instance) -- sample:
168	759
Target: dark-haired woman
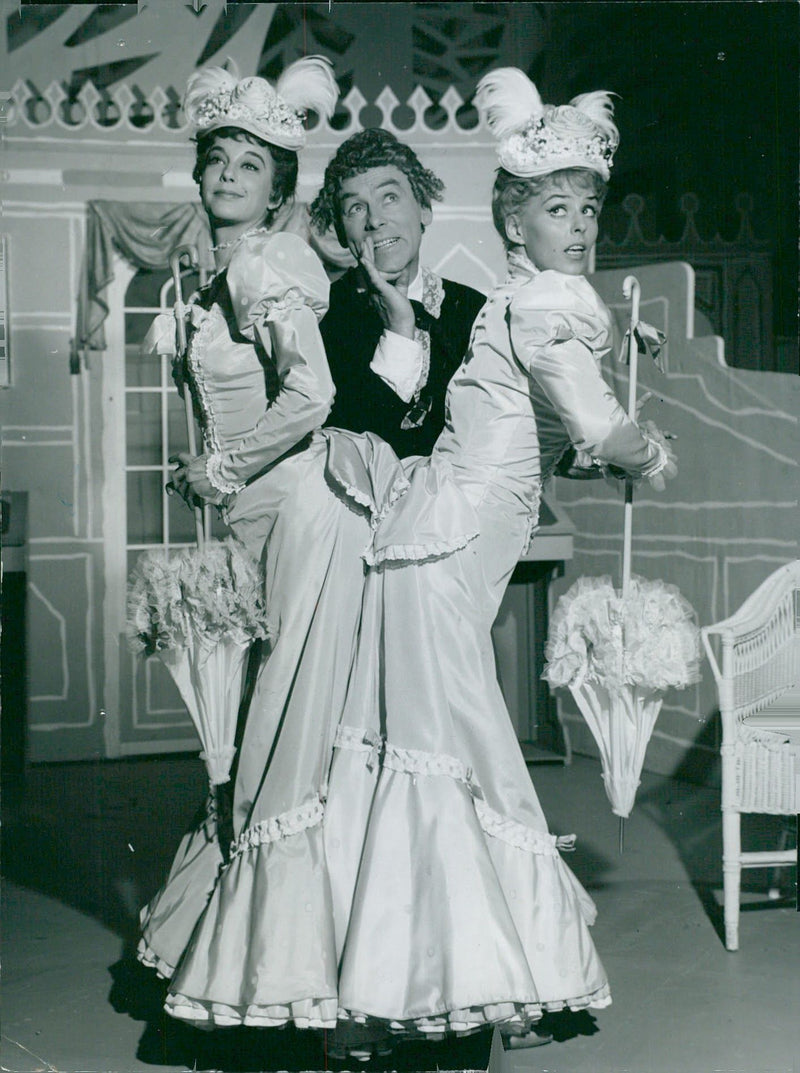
246	937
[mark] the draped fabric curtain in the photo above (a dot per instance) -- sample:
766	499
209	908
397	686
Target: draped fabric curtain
146	233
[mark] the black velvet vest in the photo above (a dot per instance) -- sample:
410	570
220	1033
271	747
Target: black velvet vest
364	403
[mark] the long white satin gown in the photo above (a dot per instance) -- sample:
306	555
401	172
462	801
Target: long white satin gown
251	941
453	906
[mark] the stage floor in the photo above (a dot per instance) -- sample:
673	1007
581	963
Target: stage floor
85	844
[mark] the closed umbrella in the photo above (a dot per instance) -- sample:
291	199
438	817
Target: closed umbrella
198	610
618	650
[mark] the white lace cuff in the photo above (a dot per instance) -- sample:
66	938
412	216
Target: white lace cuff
275	309
649	470
216	480
398	361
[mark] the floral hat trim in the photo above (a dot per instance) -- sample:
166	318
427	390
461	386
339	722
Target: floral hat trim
216	98
536	138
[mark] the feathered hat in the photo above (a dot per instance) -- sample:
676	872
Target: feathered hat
536	138
217	98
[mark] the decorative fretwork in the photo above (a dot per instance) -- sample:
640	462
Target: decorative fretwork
454	48
125	108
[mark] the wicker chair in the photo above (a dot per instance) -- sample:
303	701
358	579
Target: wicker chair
758	681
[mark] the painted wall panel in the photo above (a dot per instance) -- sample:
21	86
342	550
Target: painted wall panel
38	243
65	720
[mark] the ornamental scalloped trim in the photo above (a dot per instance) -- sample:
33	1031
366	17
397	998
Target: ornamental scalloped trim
126	108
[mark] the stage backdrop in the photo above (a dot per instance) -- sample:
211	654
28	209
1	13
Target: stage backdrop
86	432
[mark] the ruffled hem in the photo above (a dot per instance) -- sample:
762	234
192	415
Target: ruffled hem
323	1013
365	470
230	947
169	919
262	952
517	1017
151	960
423	815
433	519
417	553
417	514
305	1013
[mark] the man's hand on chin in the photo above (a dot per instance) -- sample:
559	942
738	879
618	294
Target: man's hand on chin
389	299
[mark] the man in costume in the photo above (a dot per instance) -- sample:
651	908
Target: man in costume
391	356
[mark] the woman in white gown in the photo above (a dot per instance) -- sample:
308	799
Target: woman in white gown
454	908
246	936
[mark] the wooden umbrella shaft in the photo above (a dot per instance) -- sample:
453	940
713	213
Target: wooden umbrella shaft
180	319
632	290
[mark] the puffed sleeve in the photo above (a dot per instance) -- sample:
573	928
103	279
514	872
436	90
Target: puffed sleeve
279	292
559	331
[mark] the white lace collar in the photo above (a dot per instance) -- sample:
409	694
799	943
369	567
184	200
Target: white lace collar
428	289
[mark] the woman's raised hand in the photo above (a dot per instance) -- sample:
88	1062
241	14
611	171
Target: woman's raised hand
670	468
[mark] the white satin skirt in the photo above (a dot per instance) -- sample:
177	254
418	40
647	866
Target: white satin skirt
453	907
250	940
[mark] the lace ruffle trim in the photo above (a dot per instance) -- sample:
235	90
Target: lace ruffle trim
517	1017
149	958
407	761
424	339
364	499
270	310
432	292
417	553
214	464
196	353
305	1013
521	837
414	762
293	822
397	491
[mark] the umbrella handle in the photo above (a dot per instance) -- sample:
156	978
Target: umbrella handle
175	258
632	290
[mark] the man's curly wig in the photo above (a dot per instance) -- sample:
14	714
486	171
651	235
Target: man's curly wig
371	148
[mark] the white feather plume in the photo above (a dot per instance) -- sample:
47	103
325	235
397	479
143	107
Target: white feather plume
202	85
508	99
309	84
599	107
